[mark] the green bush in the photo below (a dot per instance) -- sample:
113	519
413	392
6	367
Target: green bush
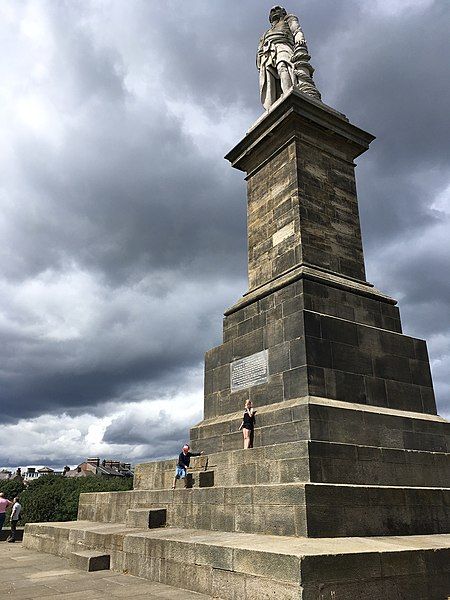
55	498
12	487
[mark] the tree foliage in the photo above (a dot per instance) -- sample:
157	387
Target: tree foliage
55	498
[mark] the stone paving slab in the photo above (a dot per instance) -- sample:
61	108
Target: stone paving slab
29	575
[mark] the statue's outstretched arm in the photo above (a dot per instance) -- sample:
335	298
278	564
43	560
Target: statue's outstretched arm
294	25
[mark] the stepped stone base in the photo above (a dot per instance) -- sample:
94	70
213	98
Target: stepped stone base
293	509
317	418
241	566
309	460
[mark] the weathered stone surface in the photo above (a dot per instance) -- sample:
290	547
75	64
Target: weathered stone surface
146	517
237	565
89	560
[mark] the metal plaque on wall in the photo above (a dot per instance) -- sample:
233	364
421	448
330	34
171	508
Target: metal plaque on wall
248	371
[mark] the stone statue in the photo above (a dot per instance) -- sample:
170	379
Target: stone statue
283	59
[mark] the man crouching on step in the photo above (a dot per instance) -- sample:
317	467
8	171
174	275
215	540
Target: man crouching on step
183	463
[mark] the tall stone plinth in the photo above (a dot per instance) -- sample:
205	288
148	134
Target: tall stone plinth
346	494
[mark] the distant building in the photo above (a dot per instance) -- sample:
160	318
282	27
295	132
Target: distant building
31	473
5	475
107	468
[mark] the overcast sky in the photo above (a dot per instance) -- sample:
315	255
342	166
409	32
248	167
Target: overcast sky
123	234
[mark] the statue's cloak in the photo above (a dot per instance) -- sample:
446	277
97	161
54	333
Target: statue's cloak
275	46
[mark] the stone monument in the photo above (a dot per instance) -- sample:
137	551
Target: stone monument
346	494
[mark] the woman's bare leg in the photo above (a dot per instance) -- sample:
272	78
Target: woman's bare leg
246	433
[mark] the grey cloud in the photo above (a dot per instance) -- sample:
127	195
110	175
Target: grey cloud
130	430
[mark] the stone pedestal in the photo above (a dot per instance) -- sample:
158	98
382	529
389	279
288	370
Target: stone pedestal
346	494
309	313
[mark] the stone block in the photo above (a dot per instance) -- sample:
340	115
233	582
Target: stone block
279	358
227	584
283	415
392	367
221	378
248	344
350	387
420	373
272	520
402	563
396	344
300	412
313	324
270	393
295	383
294	470
224	519
279	495
267	589
376	391
266	564
241	495
217	557
273	333
297	352
351	359
428	401
352	566
420	348
245	327
293	326
316	381
337	330
318	352
89	560
206	478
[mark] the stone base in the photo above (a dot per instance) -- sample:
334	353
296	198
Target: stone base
319	341
290	509
315	418
231	566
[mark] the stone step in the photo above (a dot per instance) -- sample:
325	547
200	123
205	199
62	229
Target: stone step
259	567
89	560
303	509
315	461
150	518
313	418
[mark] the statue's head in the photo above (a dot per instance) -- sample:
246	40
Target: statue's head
277	13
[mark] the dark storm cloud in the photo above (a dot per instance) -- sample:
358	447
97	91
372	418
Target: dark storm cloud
123	231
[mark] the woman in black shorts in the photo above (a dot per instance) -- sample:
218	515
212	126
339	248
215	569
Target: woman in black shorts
248	424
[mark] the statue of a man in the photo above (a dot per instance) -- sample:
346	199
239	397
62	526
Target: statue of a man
283	59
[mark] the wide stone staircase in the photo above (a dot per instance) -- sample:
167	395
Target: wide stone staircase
310	518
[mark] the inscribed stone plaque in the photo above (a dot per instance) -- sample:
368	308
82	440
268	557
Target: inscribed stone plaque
283	233
248	371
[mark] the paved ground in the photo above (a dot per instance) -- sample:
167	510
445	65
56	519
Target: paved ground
26	575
